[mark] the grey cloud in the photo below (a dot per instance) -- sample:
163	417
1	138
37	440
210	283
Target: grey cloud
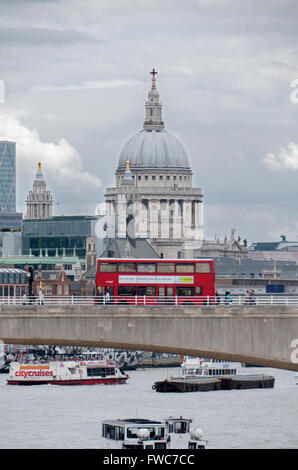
37	36
225	69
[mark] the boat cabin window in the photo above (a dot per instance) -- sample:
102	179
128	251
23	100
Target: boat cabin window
192	371
100	371
160	445
113	432
181	427
222	372
155	433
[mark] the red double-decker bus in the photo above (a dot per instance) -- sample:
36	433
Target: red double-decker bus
153	281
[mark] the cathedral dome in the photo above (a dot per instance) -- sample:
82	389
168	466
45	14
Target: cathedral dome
154	149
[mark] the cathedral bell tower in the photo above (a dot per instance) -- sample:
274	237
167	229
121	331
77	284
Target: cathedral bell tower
153	107
39	201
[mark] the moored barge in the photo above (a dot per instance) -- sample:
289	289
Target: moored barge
187	385
247	381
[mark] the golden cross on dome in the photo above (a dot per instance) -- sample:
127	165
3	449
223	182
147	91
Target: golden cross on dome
153	73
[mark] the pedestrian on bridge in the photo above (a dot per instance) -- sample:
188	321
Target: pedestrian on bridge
252	298
228	298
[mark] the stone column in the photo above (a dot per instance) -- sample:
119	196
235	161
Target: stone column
186	222
111	221
141	222
164	228
121	216
153	208
177	220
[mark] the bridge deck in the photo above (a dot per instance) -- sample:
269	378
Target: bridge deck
262	335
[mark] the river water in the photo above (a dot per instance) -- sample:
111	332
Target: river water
47	416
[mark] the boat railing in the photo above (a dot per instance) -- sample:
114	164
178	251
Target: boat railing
137	300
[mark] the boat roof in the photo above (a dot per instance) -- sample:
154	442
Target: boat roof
142	421
131	421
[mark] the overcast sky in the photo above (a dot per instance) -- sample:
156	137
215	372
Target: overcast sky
76	75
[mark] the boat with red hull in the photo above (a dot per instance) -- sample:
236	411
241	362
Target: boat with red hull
66	373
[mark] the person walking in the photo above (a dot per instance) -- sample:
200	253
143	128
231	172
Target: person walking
40	297
217	298
228	298
253	295
107	297
247	297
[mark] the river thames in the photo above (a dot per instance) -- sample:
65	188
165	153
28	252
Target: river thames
57	417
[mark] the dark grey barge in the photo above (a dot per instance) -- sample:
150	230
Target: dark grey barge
242	382
204	384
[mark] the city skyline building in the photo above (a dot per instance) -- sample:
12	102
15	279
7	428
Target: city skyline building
9	218
7	176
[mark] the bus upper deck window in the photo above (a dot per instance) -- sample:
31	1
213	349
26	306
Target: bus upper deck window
127	267
108	267
185	268
165	267
146	267
203	267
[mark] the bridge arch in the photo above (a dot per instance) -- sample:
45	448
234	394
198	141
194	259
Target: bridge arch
255	335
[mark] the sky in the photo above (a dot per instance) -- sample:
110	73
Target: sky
76	75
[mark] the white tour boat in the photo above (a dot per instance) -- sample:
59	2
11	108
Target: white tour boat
198	375
232	374
194	367
66	373
172	433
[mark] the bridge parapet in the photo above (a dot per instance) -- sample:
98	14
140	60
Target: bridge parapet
261	335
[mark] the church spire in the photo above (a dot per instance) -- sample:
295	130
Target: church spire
153	73
39	175
153	107
39	201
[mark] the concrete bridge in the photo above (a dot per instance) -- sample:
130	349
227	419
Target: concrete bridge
262	335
